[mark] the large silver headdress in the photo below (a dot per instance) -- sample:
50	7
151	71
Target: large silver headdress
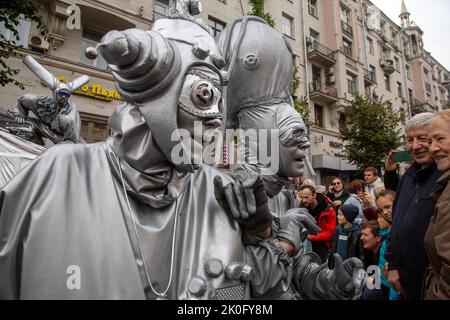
50	81
259	64
150	67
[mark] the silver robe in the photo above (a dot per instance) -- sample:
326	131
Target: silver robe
68	208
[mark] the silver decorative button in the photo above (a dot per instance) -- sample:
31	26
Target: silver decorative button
214	268
200	50
233	271
197	286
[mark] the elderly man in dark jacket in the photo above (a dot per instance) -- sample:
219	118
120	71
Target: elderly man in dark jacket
413	209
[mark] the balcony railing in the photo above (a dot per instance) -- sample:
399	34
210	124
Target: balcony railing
347	28
387	65
321	54
370	76
348	51
321	93
316	46
423	106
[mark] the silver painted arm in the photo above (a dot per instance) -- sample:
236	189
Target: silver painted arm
315	281
25	103
272	270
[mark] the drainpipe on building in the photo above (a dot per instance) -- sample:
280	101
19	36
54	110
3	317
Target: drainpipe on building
363	19
405	80
242	8
308	159
337	24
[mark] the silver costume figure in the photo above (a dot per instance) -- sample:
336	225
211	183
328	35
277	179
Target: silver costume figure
125	219
55	117
260	66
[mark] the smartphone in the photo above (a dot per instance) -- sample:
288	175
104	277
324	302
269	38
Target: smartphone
402	156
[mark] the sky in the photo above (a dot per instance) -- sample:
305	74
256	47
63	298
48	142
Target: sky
432	16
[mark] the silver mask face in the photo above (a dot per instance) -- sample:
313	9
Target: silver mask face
293	143
62	96
200	110
201	95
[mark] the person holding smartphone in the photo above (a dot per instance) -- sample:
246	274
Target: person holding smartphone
412	210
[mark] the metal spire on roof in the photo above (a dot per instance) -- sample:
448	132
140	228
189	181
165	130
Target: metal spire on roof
404	11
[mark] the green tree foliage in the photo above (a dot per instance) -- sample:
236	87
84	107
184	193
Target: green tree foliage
10	14
258	10
371	131
302	106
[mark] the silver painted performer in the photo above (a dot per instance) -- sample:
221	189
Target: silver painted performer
56	118
124	219
259	62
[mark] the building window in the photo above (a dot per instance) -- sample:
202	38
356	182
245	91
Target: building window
345	15
348	50
342	120
372	73
216	26
370	45
427	77
397	64
408	71
352	83
387	82
287	25
410	96
161	10
345	21
90	39
314	34
312	7
23	28
318	112
399	90
94	128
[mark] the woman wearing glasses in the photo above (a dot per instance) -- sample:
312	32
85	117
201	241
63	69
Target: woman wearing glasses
338	194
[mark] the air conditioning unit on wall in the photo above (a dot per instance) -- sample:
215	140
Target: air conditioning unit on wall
39	42
331	79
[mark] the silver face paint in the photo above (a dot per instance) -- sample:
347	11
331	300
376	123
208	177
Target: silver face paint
293	142
201	95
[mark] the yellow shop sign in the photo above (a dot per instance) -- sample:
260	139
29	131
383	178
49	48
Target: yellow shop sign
95	91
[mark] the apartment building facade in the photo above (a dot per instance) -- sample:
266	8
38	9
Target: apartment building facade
339	46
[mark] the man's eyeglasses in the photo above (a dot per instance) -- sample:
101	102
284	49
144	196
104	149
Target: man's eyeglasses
336	183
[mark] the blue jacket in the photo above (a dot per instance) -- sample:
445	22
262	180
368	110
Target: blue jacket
393	294
412	211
